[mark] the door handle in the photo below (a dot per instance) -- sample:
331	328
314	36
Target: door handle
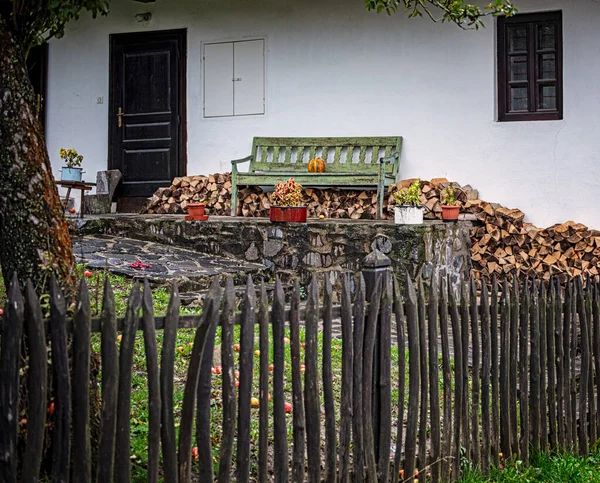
120	117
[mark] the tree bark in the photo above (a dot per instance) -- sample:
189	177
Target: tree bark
34	237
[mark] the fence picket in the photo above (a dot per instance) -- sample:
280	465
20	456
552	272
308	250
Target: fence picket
245	394
551	366
475	351
447	376
414	376
299	422
328	396
385	408
572	350
229	390
110	386
167	363
534	368
12	329
560	366
209	317
401	343
60	365
543	358
506	428
585	368
593	437
596	351
513	367
370	333
263	411
346	396
495	446
524	372
122	447
81	386
37	383
280	449
357	385
154	409
464	333
434	381
311	385
422	458
485	378
458	381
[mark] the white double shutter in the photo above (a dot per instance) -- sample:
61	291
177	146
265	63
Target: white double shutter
234	78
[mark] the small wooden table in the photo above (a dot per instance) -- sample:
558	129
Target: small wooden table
78	185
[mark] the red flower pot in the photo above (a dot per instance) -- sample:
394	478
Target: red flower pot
196	212
450	212
295	214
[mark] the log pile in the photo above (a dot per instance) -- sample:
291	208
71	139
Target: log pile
215	190
504	244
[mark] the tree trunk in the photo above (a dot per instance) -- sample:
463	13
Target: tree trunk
34	237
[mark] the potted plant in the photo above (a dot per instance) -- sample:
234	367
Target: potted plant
288	199
450	208
408	210
196	211
72	170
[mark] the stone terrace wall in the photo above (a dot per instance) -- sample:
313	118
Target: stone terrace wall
317	246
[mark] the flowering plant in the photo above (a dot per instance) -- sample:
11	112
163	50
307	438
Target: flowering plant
288	193
71	157
410	196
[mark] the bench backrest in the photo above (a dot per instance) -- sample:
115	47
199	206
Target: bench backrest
342	155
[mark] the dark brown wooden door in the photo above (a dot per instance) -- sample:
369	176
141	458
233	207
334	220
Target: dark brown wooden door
147	110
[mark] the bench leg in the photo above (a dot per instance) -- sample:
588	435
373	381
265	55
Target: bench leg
234	199
380	190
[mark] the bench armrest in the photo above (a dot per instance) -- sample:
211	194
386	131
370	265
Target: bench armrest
389	159
243	160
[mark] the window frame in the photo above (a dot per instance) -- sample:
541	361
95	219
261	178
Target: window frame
530	20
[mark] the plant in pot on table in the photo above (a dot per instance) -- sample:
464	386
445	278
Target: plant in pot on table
450	207
72	170
408	210
287	200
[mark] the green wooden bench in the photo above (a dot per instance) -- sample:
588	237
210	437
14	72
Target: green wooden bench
363	162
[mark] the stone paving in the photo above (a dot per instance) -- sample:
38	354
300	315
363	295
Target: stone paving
158	262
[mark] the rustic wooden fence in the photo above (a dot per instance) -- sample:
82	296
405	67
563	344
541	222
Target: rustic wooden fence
518	374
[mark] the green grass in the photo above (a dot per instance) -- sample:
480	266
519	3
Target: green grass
544	468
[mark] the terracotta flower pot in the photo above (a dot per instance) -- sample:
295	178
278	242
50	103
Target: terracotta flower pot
294	214
196	212
450	212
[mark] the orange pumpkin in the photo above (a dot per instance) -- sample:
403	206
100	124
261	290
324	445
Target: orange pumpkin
316	165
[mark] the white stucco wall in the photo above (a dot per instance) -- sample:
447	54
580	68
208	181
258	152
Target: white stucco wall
335	69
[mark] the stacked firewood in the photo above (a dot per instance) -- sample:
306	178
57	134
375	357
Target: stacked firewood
505	244
214	190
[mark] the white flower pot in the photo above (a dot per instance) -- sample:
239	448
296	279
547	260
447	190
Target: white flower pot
408	215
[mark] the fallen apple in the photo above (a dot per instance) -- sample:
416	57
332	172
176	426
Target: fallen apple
257	353
271	367
254	402
288	407
236	347
286	340
88	274
195	452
